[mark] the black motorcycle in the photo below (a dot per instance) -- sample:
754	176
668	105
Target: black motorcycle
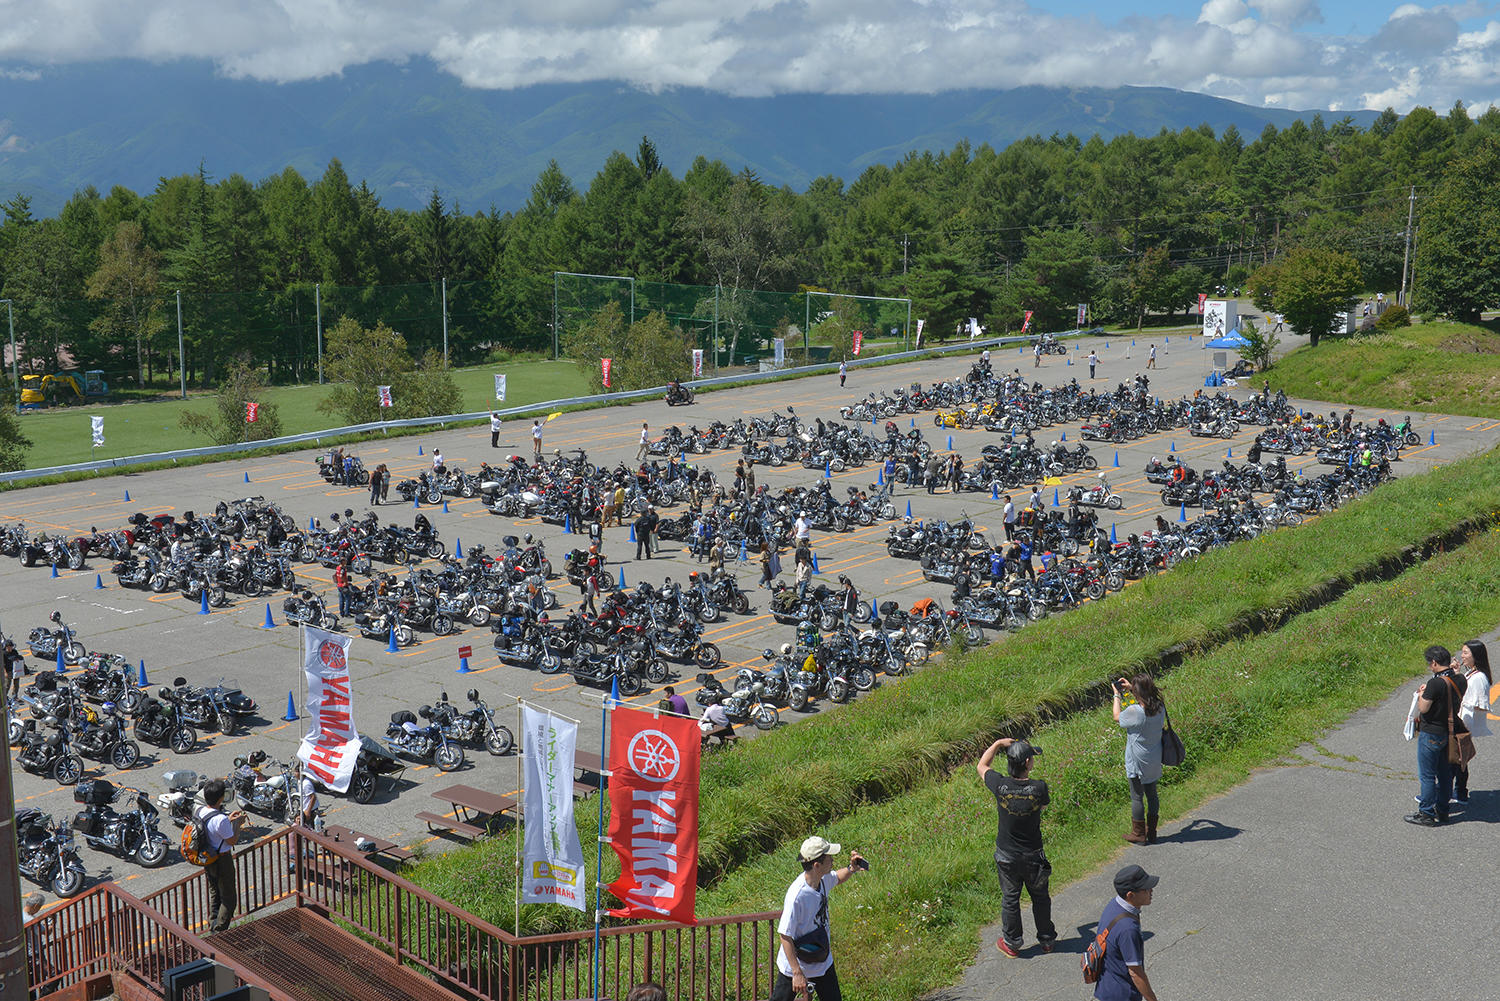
160	723
104	737
223	706
46	853
106	678
45	642
50	753
426	742
132	834
476	727
308	608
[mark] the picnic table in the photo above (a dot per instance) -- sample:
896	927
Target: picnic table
469	804
381	845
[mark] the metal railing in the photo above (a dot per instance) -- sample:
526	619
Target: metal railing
718	959
316	437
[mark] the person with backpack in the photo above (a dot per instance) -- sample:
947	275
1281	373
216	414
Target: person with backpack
1020	859
1120	974
221	831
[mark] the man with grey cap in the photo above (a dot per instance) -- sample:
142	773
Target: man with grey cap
1124	975
1019	858
804	963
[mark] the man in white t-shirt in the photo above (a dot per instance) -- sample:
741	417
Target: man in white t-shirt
803	527
804	963
223	833
1009	518
536	439
495	425
640	453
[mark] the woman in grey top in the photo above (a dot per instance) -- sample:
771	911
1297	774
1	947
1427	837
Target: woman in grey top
1142	723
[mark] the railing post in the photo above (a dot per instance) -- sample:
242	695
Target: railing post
396	935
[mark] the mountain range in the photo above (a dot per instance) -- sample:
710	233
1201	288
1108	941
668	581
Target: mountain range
407	129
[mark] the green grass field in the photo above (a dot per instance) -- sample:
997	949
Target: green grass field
60	435
1449	367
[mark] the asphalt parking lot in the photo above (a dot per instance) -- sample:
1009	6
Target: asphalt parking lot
168	634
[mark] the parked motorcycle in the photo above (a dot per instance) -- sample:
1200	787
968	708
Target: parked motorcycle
423	742
308	608
107	679
223	706
160	723
744	705
45	642
132	834
46	854
105	738
44	753
476	727
267	796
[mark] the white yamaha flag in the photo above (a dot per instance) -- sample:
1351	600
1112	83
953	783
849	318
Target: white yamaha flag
331	746
98	429
552	867
920	325
500	388
778	347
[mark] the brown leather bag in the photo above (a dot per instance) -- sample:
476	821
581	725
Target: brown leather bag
1460	743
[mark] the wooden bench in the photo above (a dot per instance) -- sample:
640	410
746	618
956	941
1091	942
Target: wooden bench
436	822
583	790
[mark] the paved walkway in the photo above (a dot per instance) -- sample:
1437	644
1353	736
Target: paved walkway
1303	883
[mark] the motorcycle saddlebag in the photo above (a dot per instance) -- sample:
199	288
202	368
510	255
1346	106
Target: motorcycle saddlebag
403	716
94	792
84	822
46	682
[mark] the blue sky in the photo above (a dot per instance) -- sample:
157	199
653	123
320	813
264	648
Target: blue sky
1302	54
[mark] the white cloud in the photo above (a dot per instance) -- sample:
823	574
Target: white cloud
1251	50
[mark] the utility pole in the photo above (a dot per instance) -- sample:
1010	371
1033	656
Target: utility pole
445	321
318	305
181	358
1411	209
905	243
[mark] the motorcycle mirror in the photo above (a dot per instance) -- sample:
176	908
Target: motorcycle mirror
164	692
178	682
443	696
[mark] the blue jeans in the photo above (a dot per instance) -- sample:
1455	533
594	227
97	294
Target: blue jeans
1435	774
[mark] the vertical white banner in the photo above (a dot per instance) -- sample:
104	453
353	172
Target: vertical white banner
332	744
500	388
779	346
97	427
973	327
552	869
384	392
1083	312
697	363
920	325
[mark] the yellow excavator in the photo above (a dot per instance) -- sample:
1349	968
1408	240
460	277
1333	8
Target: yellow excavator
64	387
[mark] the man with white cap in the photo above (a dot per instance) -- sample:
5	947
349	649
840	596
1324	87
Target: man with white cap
1124	975
804	964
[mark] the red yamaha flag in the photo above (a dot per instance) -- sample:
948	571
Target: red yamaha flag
605	362
252	410
653	807
1027	324
1202	298
859	336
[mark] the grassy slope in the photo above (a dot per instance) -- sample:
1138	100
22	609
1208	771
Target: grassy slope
1449	367
61	435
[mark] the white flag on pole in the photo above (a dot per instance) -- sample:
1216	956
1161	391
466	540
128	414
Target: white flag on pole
500	388
331	745
920	325
552	869
98	429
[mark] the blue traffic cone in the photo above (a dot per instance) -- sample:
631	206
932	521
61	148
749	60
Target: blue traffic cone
1117	458
744	554
632	532
54	570
1173	448
1229	453
1054	498
203	601
1112	538
1070	361
1132	342
309	523
419	449
913	422
414	501
247	477
622	578
567	524
291	709
614	690
950	443
1167	340
463	665
143	682
908	509
62	668
994	492
1182	515
127	497
98	583
391	647
1431	438
458	549
827	470
815	563
874	611
880	477
445	505
270	622
1106	344
1064	436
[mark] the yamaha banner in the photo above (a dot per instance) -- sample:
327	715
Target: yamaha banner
653	814
697	363
605	362
252	411
1027	324
329	750
552	866
859	336
384	392
500	388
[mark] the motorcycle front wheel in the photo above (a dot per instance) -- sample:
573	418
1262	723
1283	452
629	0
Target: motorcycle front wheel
362	786
796	699
862	678
449	757
252	587
131	701
182	739
708	613
225	722
708	656
499	740
766	718
152	853
631	684
73	653
656	672
549	663
75	561
838	691
125	754
479	615
405	636
742	604
218	598
67	882
67	769
442	625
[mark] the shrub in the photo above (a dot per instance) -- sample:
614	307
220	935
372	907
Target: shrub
1394	316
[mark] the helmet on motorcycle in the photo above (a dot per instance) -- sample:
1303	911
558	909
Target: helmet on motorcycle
526	539
1054	443
257	758
239	762
1101	476
472	695
1155	461
108	707
348	512
786	649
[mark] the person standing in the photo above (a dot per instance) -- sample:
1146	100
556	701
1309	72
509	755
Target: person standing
1474	661
652	520
804	963
1437	705
642	536
536	440
1142	722
619	505
588	587
341	582
375	479
1093	361
495	429
767	565
640	453
223	833
15	667
1019	857
437	460
1036	354
803	562
1151	357
802	529
1124	975
1009	519
385	483
843	373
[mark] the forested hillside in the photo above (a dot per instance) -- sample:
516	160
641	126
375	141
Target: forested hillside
1129	225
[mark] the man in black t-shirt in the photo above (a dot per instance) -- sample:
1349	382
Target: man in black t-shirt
1019	858
1437	703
